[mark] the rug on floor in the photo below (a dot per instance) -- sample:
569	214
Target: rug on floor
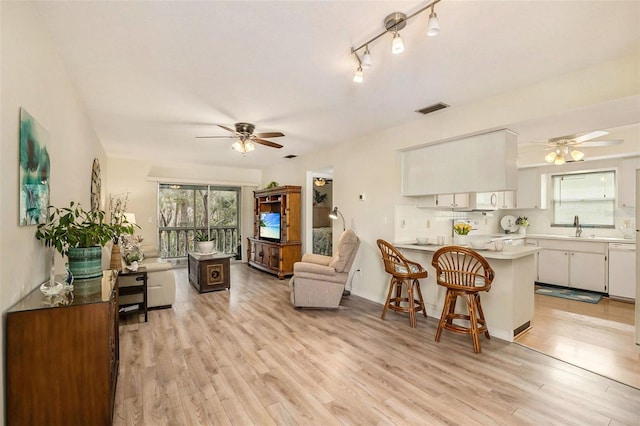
566	293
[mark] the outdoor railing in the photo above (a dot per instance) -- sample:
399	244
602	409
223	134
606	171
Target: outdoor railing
177	242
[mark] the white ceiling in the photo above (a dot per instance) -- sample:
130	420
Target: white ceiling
156	74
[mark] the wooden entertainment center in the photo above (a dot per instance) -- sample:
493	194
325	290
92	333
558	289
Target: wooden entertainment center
277	255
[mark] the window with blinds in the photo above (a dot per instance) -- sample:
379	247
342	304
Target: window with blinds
590	196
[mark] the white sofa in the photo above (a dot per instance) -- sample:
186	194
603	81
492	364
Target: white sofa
161	281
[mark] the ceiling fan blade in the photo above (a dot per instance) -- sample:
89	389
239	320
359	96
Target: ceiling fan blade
216	137
264	142
591	135
269	135
228	129
600	143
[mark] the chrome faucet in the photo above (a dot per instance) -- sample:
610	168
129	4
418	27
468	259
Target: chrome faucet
576	223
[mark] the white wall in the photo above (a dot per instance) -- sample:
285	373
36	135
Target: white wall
380	178
33	77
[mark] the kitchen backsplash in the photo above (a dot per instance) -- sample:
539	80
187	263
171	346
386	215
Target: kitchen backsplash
412	222
540	223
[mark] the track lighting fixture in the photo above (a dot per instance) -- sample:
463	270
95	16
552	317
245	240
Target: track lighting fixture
393	24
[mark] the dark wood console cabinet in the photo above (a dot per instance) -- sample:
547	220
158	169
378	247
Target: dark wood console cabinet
277	257
62	357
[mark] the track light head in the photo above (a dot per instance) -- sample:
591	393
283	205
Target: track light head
433	26
366	58
358	77
397	46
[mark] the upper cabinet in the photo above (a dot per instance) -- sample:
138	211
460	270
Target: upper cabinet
447	201
627	181
480	163
532	189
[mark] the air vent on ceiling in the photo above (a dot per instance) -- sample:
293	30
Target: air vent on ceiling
290	156
433	108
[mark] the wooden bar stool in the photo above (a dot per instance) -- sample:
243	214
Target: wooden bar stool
464	273
403	272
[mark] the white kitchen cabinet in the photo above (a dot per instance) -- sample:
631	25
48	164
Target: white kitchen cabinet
532	189
575	264
447	201
479	163
553	267
626	178
454	201
506	200
588	271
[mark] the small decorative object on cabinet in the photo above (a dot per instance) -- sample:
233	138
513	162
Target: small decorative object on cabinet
276	244
62	357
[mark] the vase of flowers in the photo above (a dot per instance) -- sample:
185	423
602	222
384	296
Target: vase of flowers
523	224
461	233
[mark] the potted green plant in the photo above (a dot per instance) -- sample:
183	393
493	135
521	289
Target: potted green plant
203	244
80	235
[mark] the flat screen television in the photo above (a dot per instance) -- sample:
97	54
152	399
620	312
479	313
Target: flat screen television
270	226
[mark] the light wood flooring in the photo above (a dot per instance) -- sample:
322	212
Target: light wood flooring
599	337
246	356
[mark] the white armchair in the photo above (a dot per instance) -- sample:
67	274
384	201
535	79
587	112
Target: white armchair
318	281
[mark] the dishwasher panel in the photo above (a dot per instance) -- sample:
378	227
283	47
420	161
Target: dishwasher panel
622	271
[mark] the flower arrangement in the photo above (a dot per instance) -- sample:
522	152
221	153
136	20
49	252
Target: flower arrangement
462	228
522	221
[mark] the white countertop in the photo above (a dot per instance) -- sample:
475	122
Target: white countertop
583	238
509	252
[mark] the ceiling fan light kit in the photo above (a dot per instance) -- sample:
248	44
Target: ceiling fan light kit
393	24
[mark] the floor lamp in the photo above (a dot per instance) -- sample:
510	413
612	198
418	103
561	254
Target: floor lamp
334	216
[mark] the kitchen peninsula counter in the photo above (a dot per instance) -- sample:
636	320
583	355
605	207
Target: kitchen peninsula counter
508	306
509	252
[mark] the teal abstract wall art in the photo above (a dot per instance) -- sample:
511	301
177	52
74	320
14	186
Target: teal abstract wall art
35	171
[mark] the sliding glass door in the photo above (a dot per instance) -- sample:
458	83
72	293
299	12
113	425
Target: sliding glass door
184	210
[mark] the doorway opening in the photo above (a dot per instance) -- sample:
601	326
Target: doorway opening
319	227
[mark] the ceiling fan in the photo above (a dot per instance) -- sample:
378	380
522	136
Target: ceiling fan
246	137
563	148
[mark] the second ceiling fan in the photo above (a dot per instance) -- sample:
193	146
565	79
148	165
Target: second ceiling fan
563	148
246	137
